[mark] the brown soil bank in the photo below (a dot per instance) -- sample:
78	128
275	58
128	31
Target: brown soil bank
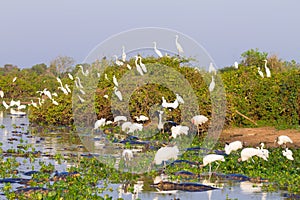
253	136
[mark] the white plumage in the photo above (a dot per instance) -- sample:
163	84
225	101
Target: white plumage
138	67
70	76
166	153
118	62
247	153
288	154
179	130
5	105
211	69
118	93
210	158
199	120
123	54
143	66
178	46
15	103
80	98
260	72
99	123
127	154
141	118
236	65
173	105
130	127
157	51
283	139
160	125
15	78
268	72
179	99
120	118
115	81
212	84
1	94
233	146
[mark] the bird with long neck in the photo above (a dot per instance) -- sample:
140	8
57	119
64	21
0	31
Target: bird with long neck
268	72
157	51
178	46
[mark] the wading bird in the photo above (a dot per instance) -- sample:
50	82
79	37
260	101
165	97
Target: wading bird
233	146
198	120
178	46
165	154
179	130
99	123
283	139
210	158
236	65
173	105
288	154
157	51
115	81
211	69
247	153
143	66
1	94
118	93
268	72
260	72
141	118
123	54
138	67
127	154
179	99
118	62
212	84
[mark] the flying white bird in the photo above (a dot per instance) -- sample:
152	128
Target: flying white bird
260	72
143	66
178	46
179	130
118	62
283	139
157	51
165	154
268	72
123	54
247	153
99	123
212	84
118	93
288	154
179	99
233	146
210	158
211	69
138	67
115	81
236	65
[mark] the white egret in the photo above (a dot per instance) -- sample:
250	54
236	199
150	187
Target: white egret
210	158
268	72
20	107
211	69
160	125
288	154
54	102
82	91
179	99
64	90
198	120
84	73
123	54
106	77
157	51
120	118
260	72
125	126
233	146
105	96
79	82
173	105
115	81
47	93
1	94
179	130
118	62
99	123
165	154
247	153
138	67
128	66
236	65
80	98
212	84
141	118
33	104
283	139
118	93
127	154
143	66
70	76
178	46
15	103
15	78
5	105
54	94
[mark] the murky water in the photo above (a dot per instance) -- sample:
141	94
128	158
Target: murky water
17	132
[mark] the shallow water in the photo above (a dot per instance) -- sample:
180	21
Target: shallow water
17	130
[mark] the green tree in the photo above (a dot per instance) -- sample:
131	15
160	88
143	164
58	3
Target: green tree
253	57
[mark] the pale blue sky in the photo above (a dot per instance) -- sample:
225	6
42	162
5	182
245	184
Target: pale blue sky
35	31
